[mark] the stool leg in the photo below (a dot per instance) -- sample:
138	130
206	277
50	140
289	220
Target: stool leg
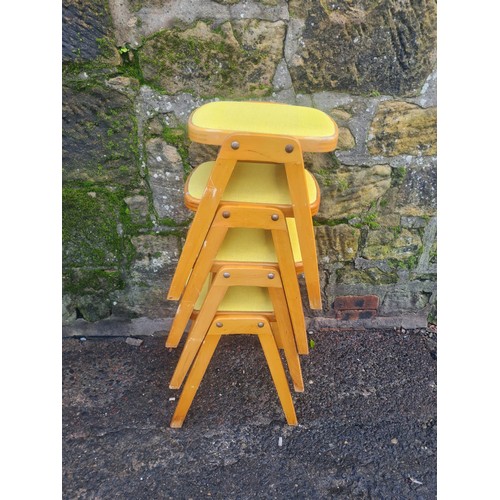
197	334
194	379
291	288
212	195
278	374
277	334
305	231
286	334
195	283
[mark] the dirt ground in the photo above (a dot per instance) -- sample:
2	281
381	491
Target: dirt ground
367	421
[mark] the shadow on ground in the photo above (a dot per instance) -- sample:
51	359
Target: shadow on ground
367	421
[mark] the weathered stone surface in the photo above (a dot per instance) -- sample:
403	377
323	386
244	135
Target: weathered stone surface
87	32
391	244
364	45
346	139
95	306
388	219
90	224
95	250
124	84
88	292
138	206
351	190
428	95
403	300
417	194
428	260
413	222
372	276
336	243
154	126
68	310
166	180
149	278
340	115
139	19
237	59
402	128
199	153
99	139
282	79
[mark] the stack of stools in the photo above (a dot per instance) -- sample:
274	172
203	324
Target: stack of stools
251	236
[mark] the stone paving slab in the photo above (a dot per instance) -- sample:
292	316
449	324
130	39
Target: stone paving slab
367	421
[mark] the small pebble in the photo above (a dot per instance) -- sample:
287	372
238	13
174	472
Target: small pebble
394	441
171	399
280	441
83	339
134	342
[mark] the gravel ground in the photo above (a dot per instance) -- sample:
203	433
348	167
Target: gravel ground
367	421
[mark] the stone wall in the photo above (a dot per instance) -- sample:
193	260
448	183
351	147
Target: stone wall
133	70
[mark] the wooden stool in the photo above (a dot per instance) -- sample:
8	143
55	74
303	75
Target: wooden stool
242	324
241	279
265	133
250	234
268	319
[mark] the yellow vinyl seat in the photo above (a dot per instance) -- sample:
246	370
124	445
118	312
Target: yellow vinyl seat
258	183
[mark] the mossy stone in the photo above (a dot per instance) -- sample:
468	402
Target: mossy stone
364	46
387	243
401	128
350	190
337	243
90	221
236	59
100	141
370	276
412	195
87	32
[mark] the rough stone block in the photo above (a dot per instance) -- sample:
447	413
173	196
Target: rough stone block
369	276
99	141
348	191
90	228
402	300
416	196
400	128
346	139
237	59
199	153
337	243
166	180
149	277
88	292
138	206
87	32
364	46
390	244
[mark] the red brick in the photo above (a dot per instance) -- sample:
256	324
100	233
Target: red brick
352	314
355	302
